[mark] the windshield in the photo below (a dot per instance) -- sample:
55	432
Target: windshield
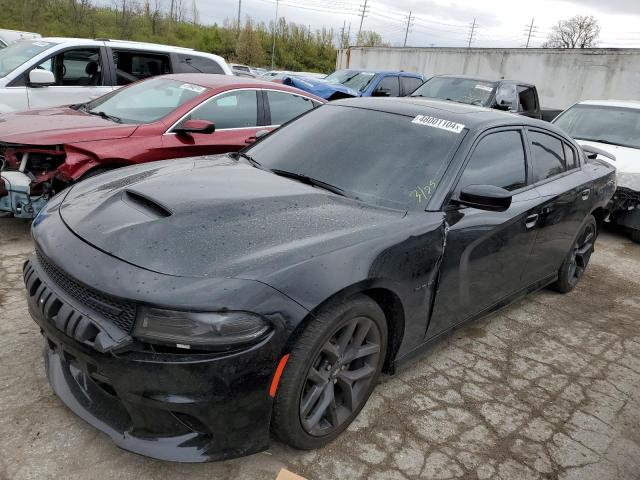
615	125
382	158
146	101
463	90
356	80
20	53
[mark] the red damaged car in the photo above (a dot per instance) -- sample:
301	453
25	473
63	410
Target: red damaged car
183	115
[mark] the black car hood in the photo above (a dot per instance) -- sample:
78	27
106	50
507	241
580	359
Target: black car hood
215	217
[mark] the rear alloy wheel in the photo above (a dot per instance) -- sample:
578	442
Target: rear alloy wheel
331	372
576	262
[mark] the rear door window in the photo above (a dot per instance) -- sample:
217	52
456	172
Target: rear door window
132	66
548	155
237	109
497	160
409	84
286	106
198	64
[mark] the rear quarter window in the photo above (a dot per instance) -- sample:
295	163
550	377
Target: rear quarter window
548	156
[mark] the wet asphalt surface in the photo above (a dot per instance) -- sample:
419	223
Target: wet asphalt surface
548	388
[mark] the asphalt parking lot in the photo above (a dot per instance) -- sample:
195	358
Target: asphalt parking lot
549	388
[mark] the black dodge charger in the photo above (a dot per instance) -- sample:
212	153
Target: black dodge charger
192	308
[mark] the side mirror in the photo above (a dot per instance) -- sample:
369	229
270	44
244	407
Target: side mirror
381	92
41	78
195	126
485	197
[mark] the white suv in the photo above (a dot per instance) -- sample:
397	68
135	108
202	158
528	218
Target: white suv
49	72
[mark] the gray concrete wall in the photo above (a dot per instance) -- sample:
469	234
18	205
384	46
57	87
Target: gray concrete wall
563	77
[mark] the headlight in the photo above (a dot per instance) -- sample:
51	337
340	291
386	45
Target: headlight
216	330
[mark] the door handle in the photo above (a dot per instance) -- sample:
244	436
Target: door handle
250	139
531	220
585	193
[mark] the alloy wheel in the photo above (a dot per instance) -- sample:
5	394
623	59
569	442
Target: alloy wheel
339	378
582	250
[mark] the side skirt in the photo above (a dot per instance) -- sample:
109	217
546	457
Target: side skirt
408	358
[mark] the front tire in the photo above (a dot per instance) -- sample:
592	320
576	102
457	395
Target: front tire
578	257
331	372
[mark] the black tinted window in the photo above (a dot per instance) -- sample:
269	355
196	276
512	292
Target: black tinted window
197	64
134	66
409	84
381	158
285	106
497	160
570	157
527	97
548	156
389	87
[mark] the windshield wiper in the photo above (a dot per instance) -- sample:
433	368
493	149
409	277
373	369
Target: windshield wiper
248	158
106	116
310	181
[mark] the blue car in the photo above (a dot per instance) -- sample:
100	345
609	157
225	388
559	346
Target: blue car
359	83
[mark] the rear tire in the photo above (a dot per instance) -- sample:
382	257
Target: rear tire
635	236
331	372
578	257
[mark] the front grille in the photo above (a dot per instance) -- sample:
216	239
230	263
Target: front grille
120	313
627	195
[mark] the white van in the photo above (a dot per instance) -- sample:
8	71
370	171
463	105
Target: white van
11	36
49	72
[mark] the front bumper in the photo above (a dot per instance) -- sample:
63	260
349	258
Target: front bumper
15	195
625	208
171	406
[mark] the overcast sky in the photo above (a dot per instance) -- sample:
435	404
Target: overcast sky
501	23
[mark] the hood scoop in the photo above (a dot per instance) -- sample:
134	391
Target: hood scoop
146	205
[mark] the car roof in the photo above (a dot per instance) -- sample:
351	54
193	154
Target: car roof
373	70
612	103
484	79
471	116
227	82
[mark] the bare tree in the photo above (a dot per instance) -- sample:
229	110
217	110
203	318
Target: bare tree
577	32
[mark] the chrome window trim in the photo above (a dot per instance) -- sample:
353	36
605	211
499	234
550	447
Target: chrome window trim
169	132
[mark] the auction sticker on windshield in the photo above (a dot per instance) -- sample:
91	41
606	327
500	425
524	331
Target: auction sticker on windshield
441	123
193	88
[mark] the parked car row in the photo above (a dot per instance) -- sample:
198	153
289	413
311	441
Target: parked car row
193	308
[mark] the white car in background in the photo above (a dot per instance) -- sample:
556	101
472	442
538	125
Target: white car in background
8	37
49	72
614	127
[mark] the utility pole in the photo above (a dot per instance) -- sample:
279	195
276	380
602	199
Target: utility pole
406	32
362	15
344	25
273	46
349	35
530	31
239	12
472	33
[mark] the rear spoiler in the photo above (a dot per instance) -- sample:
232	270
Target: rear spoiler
593	152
